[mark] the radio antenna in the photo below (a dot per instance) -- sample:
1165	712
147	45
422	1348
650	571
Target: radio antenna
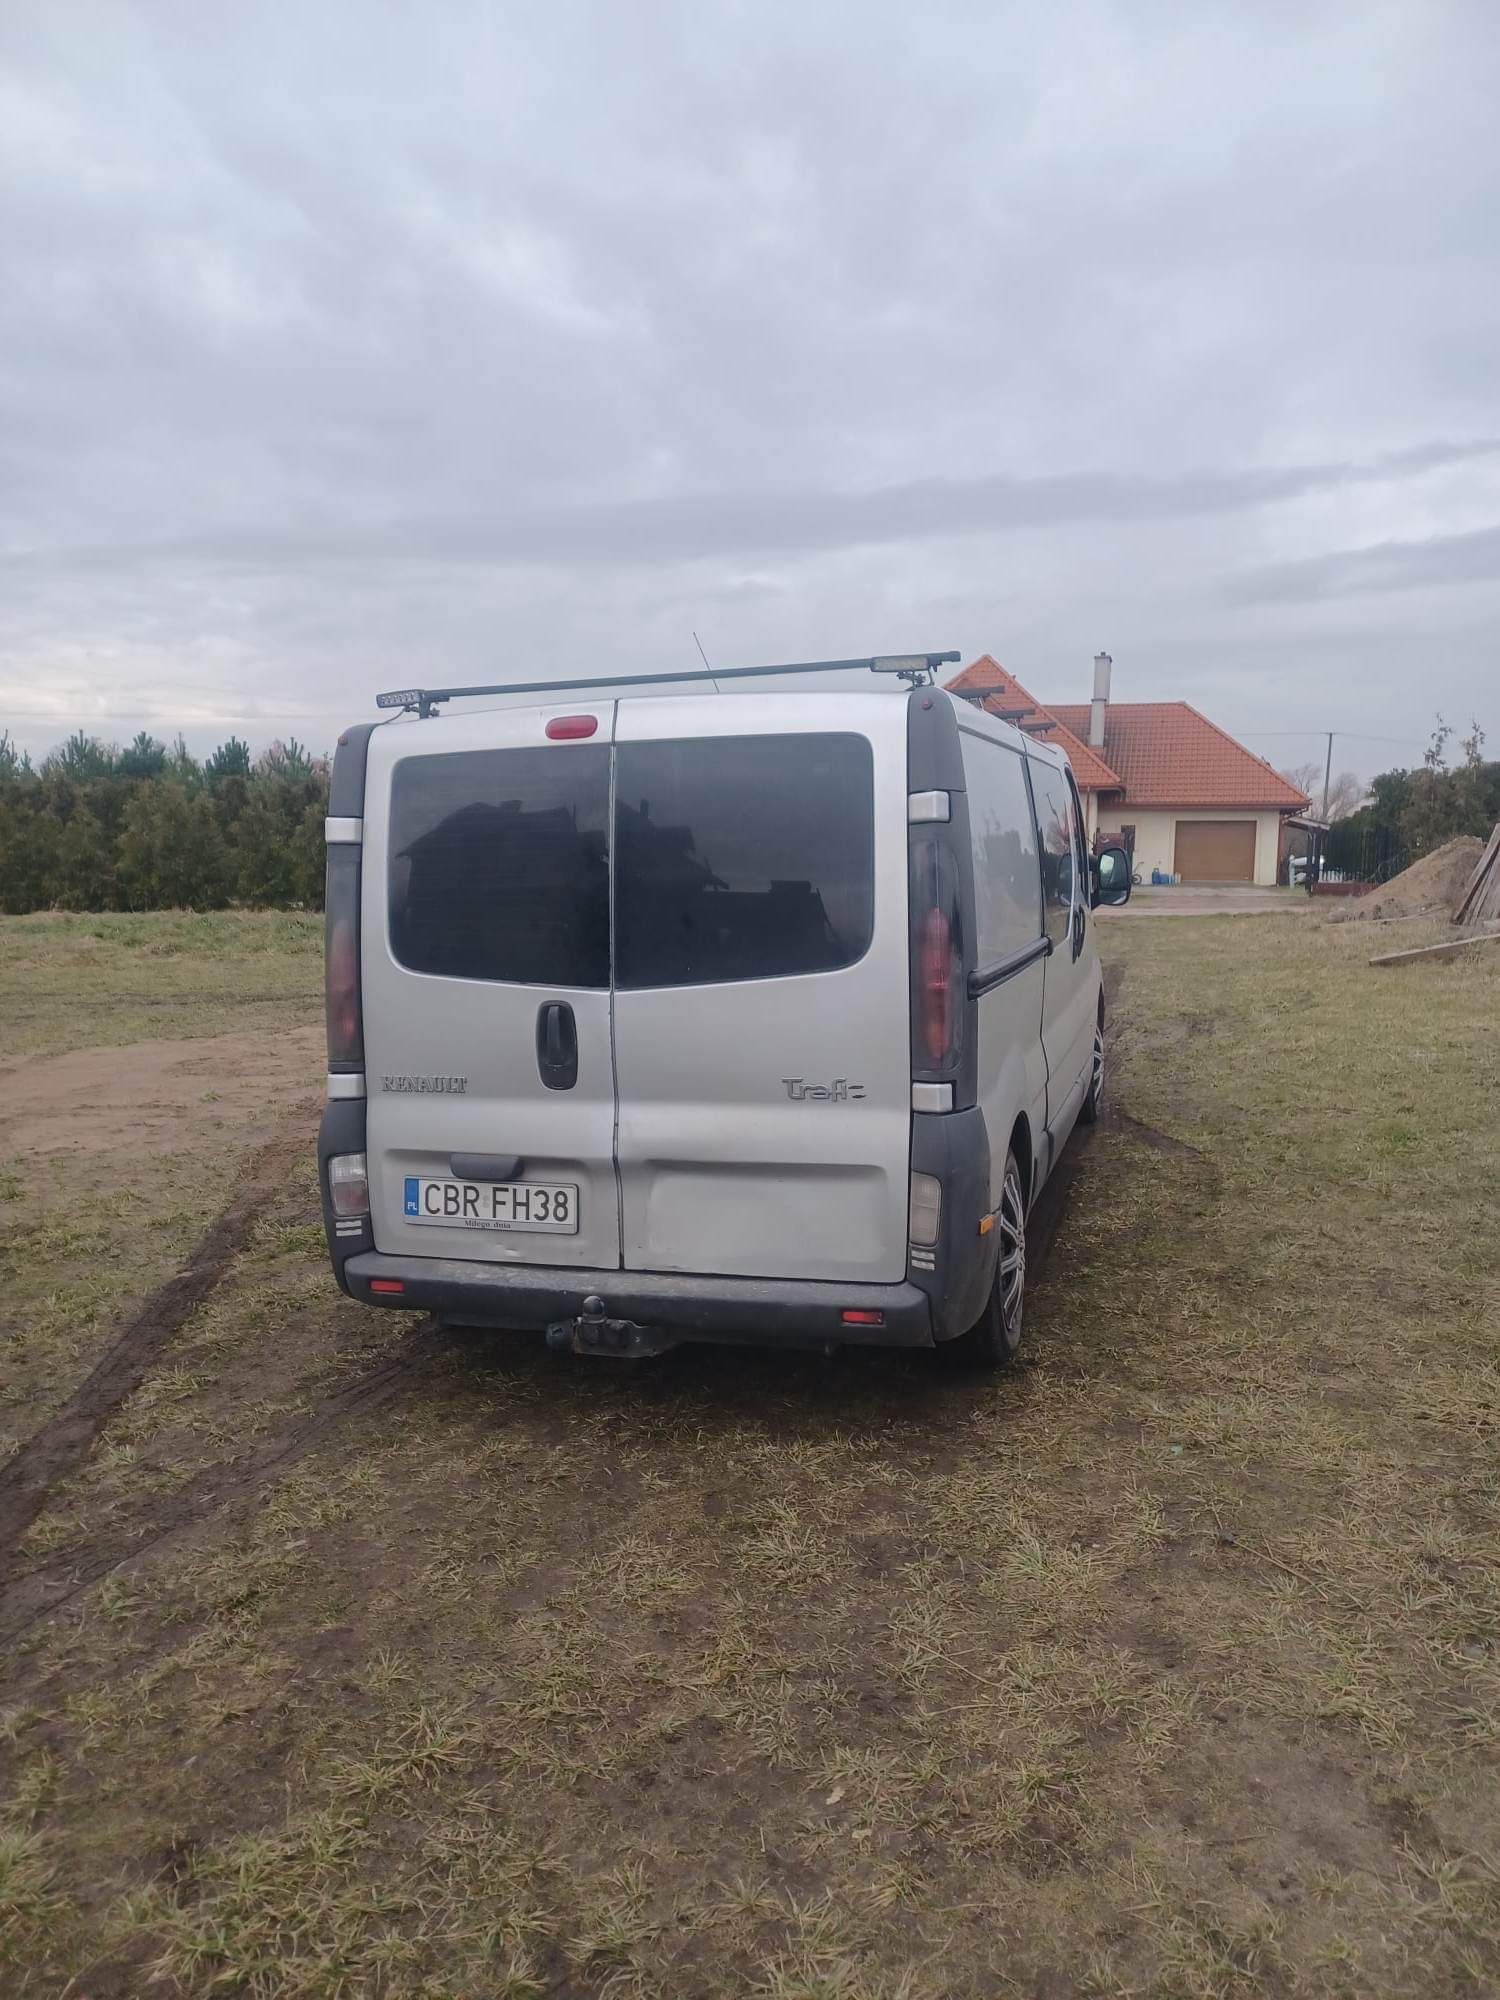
704	658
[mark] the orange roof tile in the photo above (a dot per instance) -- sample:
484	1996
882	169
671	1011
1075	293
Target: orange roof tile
1156	753
1167	754
1089	768
1004	696
983	673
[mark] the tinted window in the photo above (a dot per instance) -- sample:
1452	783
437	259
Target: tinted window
1080	839
747	857
1007	882
1054	818
499	865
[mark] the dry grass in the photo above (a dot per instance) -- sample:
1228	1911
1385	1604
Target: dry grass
1168	1665
70	982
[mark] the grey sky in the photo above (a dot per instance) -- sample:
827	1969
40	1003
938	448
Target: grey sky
342	347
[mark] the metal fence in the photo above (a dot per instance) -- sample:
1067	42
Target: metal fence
1348	852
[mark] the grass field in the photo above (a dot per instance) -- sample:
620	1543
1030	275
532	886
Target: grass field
340	1656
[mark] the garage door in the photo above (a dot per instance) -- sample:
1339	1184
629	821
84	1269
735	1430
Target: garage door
1215	850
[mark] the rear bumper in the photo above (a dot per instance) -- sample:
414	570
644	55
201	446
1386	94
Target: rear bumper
763	1312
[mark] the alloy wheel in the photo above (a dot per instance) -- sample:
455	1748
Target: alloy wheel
1011	1277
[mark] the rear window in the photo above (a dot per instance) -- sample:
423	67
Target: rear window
746	857
499	865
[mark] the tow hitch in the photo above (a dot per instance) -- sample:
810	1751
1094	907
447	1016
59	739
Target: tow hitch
594	1332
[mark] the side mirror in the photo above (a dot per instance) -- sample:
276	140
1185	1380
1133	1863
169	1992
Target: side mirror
1111	876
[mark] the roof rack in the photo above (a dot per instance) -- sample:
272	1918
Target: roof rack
917	669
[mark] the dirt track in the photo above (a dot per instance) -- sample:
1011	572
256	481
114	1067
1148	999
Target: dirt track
150	1097
64	1442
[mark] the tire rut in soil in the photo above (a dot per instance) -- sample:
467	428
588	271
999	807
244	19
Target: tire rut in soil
66	1439
41	1591
1151	1135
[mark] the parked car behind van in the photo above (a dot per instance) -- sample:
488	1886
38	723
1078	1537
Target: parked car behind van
745	1017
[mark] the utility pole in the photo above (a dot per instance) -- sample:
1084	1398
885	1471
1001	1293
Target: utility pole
1327	775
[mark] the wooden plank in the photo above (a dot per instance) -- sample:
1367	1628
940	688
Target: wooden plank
1453	948
1474	888
1482	868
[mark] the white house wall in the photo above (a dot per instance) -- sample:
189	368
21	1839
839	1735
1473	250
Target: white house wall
1156	837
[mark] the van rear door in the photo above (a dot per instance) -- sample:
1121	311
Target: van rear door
485	960
762	1045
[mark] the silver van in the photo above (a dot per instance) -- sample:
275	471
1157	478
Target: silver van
734	1016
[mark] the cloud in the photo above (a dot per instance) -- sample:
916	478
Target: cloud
485	340
696	526
1434	563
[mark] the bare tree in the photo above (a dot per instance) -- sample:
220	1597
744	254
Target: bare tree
1344	792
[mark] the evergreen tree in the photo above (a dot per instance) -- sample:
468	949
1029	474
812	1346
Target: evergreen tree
264	872
230	760
289	760
146	758
82	756
309	856
170	857
25	851
15	764
182	767
82	873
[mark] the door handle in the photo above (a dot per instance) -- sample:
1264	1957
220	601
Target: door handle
556	1045
487	1166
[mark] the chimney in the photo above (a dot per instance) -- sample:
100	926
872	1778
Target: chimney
1099	706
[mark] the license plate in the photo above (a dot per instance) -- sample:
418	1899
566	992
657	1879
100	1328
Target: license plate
549	1205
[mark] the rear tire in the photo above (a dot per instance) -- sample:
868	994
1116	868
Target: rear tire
1093	1104
994	1337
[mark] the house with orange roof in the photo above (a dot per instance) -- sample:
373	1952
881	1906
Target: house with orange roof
1177	790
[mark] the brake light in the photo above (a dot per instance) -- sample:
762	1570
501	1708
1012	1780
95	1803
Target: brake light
343	1021
938	1001
935	986
346	1046
568	728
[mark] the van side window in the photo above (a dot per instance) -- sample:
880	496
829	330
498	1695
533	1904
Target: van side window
1054	818
1007	879
1080	839
742	857
499	865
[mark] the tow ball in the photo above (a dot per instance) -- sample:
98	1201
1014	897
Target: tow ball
596	1332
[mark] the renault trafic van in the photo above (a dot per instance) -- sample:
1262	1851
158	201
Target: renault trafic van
735	1016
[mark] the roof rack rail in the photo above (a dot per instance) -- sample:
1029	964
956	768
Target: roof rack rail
917	669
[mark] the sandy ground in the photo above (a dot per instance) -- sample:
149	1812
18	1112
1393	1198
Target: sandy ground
151	1097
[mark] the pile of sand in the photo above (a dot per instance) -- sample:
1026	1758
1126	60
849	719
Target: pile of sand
1434	883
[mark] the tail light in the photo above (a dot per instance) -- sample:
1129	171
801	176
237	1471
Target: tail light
926	1209
346	1040
935	982
349	1184
937	1013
